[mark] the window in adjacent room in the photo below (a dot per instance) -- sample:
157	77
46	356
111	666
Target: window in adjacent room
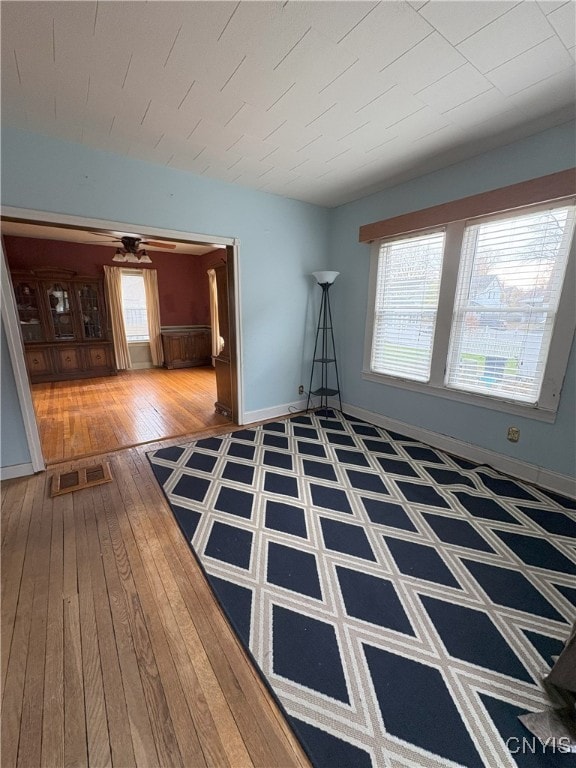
480	311
134	306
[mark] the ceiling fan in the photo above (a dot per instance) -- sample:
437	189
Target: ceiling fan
131	250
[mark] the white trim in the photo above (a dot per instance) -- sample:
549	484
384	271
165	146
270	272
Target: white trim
276	410
241	415
16	350
16	470
546	478
81	222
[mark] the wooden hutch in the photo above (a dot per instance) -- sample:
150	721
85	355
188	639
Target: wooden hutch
64	325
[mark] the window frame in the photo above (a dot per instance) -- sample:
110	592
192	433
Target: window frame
134	273
560	343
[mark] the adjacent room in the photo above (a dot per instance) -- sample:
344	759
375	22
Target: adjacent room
90	394
288	383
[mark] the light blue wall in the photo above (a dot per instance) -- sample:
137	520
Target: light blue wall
13	443
552	446
281	240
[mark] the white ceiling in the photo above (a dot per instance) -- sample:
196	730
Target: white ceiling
321	101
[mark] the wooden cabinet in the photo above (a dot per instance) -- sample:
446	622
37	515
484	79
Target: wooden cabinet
184	349
68	360
64	325
39	362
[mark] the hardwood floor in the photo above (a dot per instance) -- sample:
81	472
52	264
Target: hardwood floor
91	416
114	651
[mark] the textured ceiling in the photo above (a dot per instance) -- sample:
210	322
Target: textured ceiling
321	101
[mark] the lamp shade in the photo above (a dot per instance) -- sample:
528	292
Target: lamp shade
325	277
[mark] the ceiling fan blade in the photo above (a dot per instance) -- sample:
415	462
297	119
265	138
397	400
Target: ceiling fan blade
158	244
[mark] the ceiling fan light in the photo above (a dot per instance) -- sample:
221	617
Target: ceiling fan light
119	256
144	258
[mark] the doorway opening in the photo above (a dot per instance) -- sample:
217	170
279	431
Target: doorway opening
80	401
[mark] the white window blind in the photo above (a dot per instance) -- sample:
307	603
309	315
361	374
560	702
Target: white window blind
134	307
407	290
509	284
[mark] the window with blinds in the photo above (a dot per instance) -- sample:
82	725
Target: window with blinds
509	284
407	293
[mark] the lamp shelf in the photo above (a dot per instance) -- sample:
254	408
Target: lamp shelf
325	392
324	359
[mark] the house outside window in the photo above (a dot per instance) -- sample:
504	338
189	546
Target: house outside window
494	326
134	306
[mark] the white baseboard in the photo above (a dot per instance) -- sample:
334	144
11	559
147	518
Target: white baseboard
271	413
546	478
16	470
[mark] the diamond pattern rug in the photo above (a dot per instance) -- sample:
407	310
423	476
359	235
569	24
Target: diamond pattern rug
402	604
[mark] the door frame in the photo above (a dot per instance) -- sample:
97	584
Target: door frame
12	326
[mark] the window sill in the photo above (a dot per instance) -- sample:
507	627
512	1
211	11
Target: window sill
482	401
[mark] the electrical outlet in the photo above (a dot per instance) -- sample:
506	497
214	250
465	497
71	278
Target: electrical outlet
301	389
513	434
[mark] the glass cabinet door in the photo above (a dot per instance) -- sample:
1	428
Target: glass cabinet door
29	311
61	311
90	311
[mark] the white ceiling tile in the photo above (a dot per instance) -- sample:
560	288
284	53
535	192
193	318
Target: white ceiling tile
292	135
149	27
530	67
252	146
459	86
301	103
511	34
457	20
428	61
253	120
417	4
316	61
390	30
392	106
491	102
263	29
332	19
412	127
32	42
358	84
206	103
548	6
553	93
564	22
11	78
257	84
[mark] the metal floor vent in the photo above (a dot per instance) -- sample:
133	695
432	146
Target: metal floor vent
76	479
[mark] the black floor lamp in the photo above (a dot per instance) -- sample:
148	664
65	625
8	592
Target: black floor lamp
324	349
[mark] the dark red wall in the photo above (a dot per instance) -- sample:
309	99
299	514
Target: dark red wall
182	279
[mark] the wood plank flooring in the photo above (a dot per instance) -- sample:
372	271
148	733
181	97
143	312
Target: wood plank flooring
114	651
85	417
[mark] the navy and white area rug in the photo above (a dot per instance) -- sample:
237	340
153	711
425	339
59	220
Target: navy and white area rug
402	604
